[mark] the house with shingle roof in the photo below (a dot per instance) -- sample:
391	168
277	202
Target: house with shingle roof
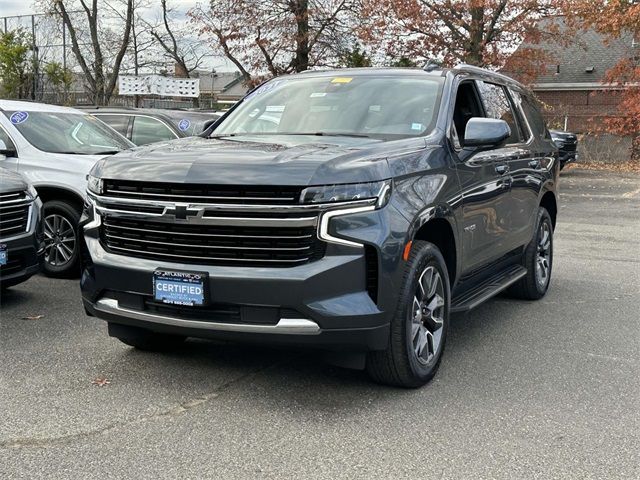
571	85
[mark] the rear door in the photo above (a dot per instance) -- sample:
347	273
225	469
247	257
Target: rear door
527	170
513	160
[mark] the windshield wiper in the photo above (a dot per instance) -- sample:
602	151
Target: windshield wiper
328	134
305	134
106	152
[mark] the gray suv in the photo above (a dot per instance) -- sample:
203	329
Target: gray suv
351	211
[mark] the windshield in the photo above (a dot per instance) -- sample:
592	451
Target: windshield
72	133
360	105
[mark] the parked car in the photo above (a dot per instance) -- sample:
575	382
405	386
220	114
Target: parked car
567	144
21	234
54	148
145	125
381	201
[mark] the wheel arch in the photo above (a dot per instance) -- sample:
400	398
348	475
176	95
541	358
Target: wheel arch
441	231
47	193
549	202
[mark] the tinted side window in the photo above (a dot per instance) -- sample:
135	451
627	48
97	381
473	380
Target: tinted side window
118	122
148	130
534	116
7	140
497	105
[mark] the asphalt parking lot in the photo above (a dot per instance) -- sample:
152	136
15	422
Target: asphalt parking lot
549	389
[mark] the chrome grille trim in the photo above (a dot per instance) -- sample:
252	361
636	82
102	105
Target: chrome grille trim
169	195
106	201
302	260
15	213
297	237
213	247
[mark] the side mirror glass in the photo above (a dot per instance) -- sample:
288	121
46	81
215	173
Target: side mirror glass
486	132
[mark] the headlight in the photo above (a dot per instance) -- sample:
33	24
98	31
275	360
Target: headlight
380	191
32	192
94	184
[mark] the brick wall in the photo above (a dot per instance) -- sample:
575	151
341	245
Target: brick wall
582	108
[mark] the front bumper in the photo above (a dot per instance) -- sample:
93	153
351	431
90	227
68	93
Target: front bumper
326	303
25	251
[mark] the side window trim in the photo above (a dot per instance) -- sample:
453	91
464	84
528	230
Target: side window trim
521	117
452	132
516	119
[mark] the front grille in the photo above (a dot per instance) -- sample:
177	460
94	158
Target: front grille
201	193
14	214
270	246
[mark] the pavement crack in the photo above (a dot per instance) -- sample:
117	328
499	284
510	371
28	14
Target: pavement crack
179	409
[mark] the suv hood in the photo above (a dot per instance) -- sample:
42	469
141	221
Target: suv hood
11	181
257	160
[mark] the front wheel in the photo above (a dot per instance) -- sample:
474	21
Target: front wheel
62	252
419	326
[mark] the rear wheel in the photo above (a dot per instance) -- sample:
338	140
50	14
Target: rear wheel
144	339
419	326
538	260
62	253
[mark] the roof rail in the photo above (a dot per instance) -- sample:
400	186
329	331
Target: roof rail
476	69
432	65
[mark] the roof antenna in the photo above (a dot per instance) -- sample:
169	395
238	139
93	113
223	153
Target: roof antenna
431	65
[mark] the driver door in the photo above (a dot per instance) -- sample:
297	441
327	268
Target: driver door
485	185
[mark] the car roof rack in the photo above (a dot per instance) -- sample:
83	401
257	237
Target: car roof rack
432	65
475	69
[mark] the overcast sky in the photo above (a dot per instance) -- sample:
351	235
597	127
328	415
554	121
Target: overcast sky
25	7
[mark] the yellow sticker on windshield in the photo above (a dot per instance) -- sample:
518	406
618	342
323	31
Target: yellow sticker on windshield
341	80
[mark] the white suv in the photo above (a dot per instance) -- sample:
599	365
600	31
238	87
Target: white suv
54	148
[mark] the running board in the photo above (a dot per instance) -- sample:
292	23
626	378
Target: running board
487	289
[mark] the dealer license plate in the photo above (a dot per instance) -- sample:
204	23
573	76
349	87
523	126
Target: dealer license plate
179	288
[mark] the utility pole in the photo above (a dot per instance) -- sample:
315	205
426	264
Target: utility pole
34	49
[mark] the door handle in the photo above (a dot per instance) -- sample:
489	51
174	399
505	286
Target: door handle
502	168
535	164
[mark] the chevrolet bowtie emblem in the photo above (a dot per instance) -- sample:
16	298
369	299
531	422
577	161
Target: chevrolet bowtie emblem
181	212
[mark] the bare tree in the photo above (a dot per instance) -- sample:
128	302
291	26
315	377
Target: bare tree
102	60
276	37
181	47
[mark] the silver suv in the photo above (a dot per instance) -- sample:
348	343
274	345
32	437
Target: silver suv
54	148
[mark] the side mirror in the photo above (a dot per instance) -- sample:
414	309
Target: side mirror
486	132
6	151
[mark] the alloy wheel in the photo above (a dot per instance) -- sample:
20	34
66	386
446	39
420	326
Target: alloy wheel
543	256
60	240
427	315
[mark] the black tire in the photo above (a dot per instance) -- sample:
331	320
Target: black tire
55	264
400	365
530	287
144	339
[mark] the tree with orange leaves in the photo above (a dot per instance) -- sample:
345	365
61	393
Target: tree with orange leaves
615	18
478	32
